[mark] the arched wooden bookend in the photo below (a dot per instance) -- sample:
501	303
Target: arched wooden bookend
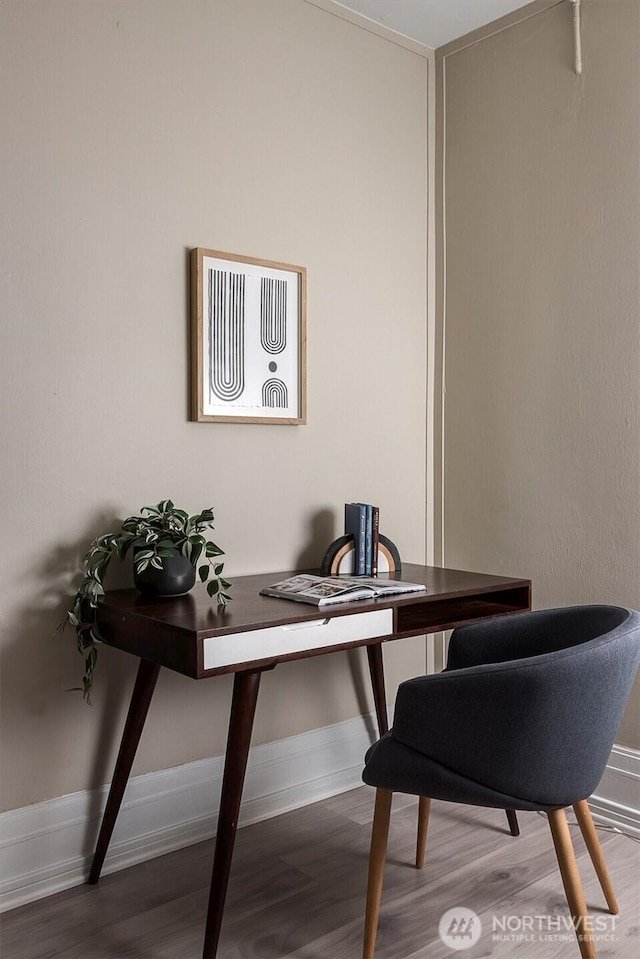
340	556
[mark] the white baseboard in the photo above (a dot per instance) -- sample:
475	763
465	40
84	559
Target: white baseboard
616	801
47	847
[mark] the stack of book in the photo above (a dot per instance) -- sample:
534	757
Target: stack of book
361	520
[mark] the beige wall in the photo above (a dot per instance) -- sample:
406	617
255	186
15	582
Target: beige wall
135	131
542	316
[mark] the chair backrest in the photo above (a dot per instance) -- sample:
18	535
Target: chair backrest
544	723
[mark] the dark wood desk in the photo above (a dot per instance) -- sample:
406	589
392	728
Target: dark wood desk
254	633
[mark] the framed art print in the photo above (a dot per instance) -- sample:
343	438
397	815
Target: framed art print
248	340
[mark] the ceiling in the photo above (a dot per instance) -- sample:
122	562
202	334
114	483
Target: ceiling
433	22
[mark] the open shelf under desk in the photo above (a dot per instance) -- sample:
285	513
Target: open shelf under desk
432	616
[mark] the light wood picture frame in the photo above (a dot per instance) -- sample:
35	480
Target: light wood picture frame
248	340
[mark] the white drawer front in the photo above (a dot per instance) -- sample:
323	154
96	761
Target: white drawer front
318	633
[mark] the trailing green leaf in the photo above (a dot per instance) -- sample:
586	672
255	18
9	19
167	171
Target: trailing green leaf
141	556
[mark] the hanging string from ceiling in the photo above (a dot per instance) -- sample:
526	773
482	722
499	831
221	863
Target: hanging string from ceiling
577	40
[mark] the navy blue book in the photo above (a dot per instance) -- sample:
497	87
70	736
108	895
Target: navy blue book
368	539
355	524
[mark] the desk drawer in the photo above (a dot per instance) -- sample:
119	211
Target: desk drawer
320	633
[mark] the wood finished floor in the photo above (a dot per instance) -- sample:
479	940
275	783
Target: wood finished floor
297	891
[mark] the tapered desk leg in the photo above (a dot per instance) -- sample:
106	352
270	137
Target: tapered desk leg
138	709
376	671
243	707
512	819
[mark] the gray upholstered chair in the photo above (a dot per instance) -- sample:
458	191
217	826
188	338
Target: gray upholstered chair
524	717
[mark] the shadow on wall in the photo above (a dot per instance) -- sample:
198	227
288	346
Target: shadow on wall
41	664
320	535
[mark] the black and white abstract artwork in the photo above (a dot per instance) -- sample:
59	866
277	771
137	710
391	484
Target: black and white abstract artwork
251	339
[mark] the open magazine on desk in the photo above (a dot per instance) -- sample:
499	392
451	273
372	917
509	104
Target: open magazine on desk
323	590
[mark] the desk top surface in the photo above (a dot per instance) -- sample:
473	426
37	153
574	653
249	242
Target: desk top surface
197	616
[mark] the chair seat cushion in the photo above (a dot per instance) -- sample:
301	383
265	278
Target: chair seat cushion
391	765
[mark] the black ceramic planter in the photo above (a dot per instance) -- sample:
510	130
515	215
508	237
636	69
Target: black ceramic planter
176	577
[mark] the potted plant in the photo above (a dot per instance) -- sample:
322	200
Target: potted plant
168	546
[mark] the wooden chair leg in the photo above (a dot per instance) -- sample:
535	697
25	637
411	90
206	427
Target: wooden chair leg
513	822
590	836
424	808
572	884
377	855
